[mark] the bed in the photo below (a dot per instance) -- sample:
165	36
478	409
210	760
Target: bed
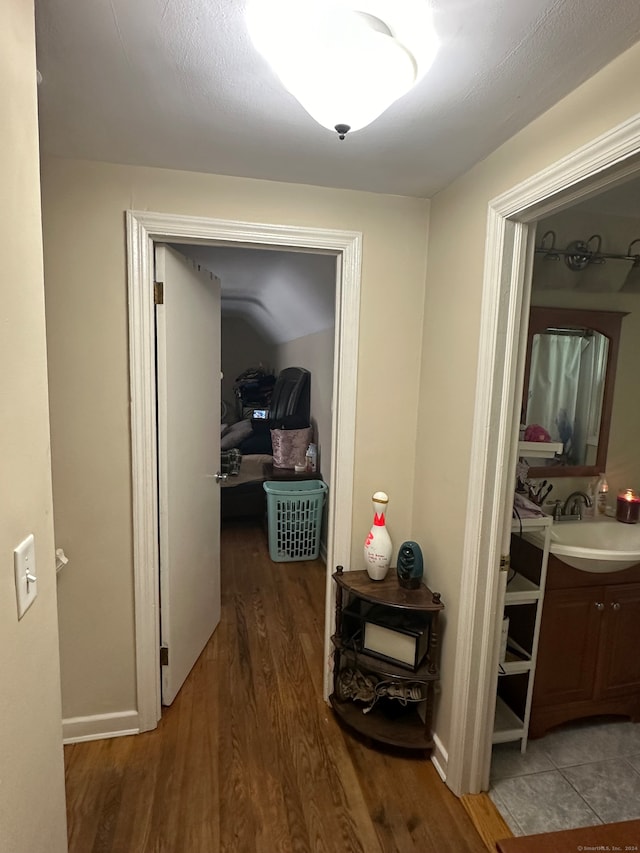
243	494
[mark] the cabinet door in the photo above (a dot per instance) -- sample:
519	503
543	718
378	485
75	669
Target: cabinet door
568	646
619	664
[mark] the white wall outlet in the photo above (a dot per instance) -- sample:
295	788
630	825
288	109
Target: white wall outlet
24	567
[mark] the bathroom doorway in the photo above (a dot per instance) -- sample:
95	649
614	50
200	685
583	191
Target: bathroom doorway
510	246
585	770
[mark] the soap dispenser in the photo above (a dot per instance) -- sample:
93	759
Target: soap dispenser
590	507
602	493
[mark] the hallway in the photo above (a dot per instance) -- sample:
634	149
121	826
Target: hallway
249	759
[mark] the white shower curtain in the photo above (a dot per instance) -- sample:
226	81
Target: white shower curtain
593	367
565	389
553	388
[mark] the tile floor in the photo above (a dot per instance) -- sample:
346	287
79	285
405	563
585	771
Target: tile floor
580	774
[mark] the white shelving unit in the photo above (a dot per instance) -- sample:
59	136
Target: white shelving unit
539	449
512	724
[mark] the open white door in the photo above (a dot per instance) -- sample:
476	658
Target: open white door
188	368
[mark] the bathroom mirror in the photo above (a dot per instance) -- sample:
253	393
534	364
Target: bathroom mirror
568	386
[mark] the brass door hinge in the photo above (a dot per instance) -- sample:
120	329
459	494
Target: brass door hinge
158	292
505	563
164	655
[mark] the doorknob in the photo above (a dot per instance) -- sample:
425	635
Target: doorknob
615	605
218	477
599	605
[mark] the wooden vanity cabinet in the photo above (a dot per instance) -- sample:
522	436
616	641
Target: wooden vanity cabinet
619	670
588	662
568	648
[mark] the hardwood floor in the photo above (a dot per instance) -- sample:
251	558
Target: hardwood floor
249	758
489	823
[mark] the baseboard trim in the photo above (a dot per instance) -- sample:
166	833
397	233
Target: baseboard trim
100	726
440	758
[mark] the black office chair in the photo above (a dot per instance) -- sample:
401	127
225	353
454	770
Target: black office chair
289	409
291	399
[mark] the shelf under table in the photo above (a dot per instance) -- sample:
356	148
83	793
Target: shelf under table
410	734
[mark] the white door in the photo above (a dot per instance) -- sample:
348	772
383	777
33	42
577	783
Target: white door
188	371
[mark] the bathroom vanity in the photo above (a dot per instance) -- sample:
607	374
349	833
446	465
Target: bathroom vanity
588	662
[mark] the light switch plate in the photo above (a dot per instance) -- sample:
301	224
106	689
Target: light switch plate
24	567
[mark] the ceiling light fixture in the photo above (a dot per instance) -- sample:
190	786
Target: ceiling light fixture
345	61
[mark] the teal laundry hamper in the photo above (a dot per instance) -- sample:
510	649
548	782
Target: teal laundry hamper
294	515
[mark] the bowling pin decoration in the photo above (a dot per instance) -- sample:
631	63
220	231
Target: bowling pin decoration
377	546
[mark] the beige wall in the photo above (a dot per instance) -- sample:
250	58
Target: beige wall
242	347
85	268
315	353
32	811
86	306
451	324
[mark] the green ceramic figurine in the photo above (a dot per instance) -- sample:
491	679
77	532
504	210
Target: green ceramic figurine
410	565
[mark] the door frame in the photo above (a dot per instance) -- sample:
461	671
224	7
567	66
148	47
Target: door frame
143	229
610	159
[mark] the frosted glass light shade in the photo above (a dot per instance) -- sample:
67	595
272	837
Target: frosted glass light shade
340	60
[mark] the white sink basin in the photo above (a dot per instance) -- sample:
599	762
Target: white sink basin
593	545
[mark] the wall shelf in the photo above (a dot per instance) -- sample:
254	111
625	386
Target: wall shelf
539	449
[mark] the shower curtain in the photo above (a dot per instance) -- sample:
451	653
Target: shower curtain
565	389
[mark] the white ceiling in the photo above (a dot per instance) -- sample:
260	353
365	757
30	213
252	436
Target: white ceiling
177	84
283	295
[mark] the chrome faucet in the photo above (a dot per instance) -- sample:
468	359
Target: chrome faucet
572	508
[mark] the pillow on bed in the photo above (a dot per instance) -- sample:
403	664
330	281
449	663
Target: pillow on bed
235	434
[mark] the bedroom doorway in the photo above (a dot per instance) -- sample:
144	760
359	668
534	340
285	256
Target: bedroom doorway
143	230
278	310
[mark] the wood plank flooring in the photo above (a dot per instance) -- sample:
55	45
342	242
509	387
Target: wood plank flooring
489	823
249	758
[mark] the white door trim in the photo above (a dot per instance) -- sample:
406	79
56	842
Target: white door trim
143	228
606	161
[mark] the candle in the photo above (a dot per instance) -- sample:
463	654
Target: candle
628	506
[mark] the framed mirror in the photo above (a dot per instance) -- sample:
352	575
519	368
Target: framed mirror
569	379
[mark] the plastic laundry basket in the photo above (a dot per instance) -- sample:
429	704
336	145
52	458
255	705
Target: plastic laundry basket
294	513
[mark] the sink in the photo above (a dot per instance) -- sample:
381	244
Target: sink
592	545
